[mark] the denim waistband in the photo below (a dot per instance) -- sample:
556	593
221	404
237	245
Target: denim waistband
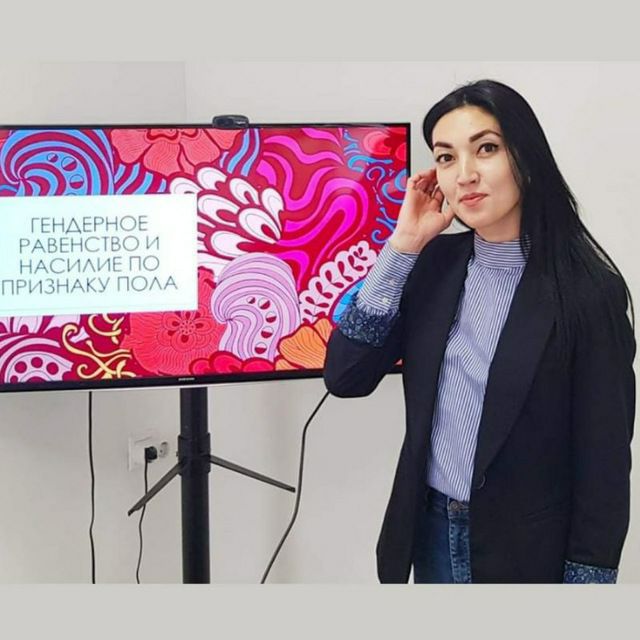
442	503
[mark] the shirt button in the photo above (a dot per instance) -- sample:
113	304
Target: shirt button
392	281
385	300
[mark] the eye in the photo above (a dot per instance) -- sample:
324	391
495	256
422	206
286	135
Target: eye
490	146
443	157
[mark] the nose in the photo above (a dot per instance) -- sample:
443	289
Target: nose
468	173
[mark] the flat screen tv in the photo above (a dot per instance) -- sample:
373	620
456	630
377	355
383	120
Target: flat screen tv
175	255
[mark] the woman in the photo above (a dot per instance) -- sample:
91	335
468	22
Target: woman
517	361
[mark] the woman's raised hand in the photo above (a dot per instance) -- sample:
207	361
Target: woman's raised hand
421	217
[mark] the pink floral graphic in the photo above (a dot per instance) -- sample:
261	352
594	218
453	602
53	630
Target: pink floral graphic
385	143
182	336
234	218
30	349
225	362
168	151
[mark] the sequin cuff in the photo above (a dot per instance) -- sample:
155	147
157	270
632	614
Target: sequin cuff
575	573
364	326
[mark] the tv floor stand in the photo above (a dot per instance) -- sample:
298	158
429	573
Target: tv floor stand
193	466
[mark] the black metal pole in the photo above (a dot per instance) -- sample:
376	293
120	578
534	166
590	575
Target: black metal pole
194	449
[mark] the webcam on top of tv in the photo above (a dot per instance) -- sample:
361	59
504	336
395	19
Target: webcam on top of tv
230	122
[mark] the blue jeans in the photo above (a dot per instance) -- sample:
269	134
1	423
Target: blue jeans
441	548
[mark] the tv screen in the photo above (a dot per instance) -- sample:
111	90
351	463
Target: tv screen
134	255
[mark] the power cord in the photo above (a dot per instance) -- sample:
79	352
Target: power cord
150	454
93	490
298	489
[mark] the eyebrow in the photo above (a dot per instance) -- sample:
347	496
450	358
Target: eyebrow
473	138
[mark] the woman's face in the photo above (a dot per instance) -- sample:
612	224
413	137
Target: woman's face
471	158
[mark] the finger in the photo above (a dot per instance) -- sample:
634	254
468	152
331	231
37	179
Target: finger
433	187
419	186
422	184
438	197
435	201
416	182
421	175
431	182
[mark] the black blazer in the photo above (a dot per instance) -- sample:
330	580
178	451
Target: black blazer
552	464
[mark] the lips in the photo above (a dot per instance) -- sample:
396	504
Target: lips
472	198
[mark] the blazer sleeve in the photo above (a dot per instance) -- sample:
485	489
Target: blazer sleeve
603	410
368	339
361	350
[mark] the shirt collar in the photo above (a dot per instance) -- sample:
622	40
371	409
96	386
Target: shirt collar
498	255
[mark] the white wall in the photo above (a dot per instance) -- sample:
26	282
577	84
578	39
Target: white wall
589	114
44	470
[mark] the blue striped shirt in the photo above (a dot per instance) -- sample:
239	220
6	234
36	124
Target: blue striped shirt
493	273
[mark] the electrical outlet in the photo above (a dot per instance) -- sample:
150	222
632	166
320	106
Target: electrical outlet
139	442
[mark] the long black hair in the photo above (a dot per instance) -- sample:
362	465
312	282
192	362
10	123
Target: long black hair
552	236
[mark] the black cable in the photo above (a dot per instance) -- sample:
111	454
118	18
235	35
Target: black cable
93	490
144	508
298	490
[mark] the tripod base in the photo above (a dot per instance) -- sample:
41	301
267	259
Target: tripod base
221	462
194	463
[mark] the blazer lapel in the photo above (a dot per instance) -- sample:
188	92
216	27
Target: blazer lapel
513	367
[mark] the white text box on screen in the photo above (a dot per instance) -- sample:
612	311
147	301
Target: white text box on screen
76	254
